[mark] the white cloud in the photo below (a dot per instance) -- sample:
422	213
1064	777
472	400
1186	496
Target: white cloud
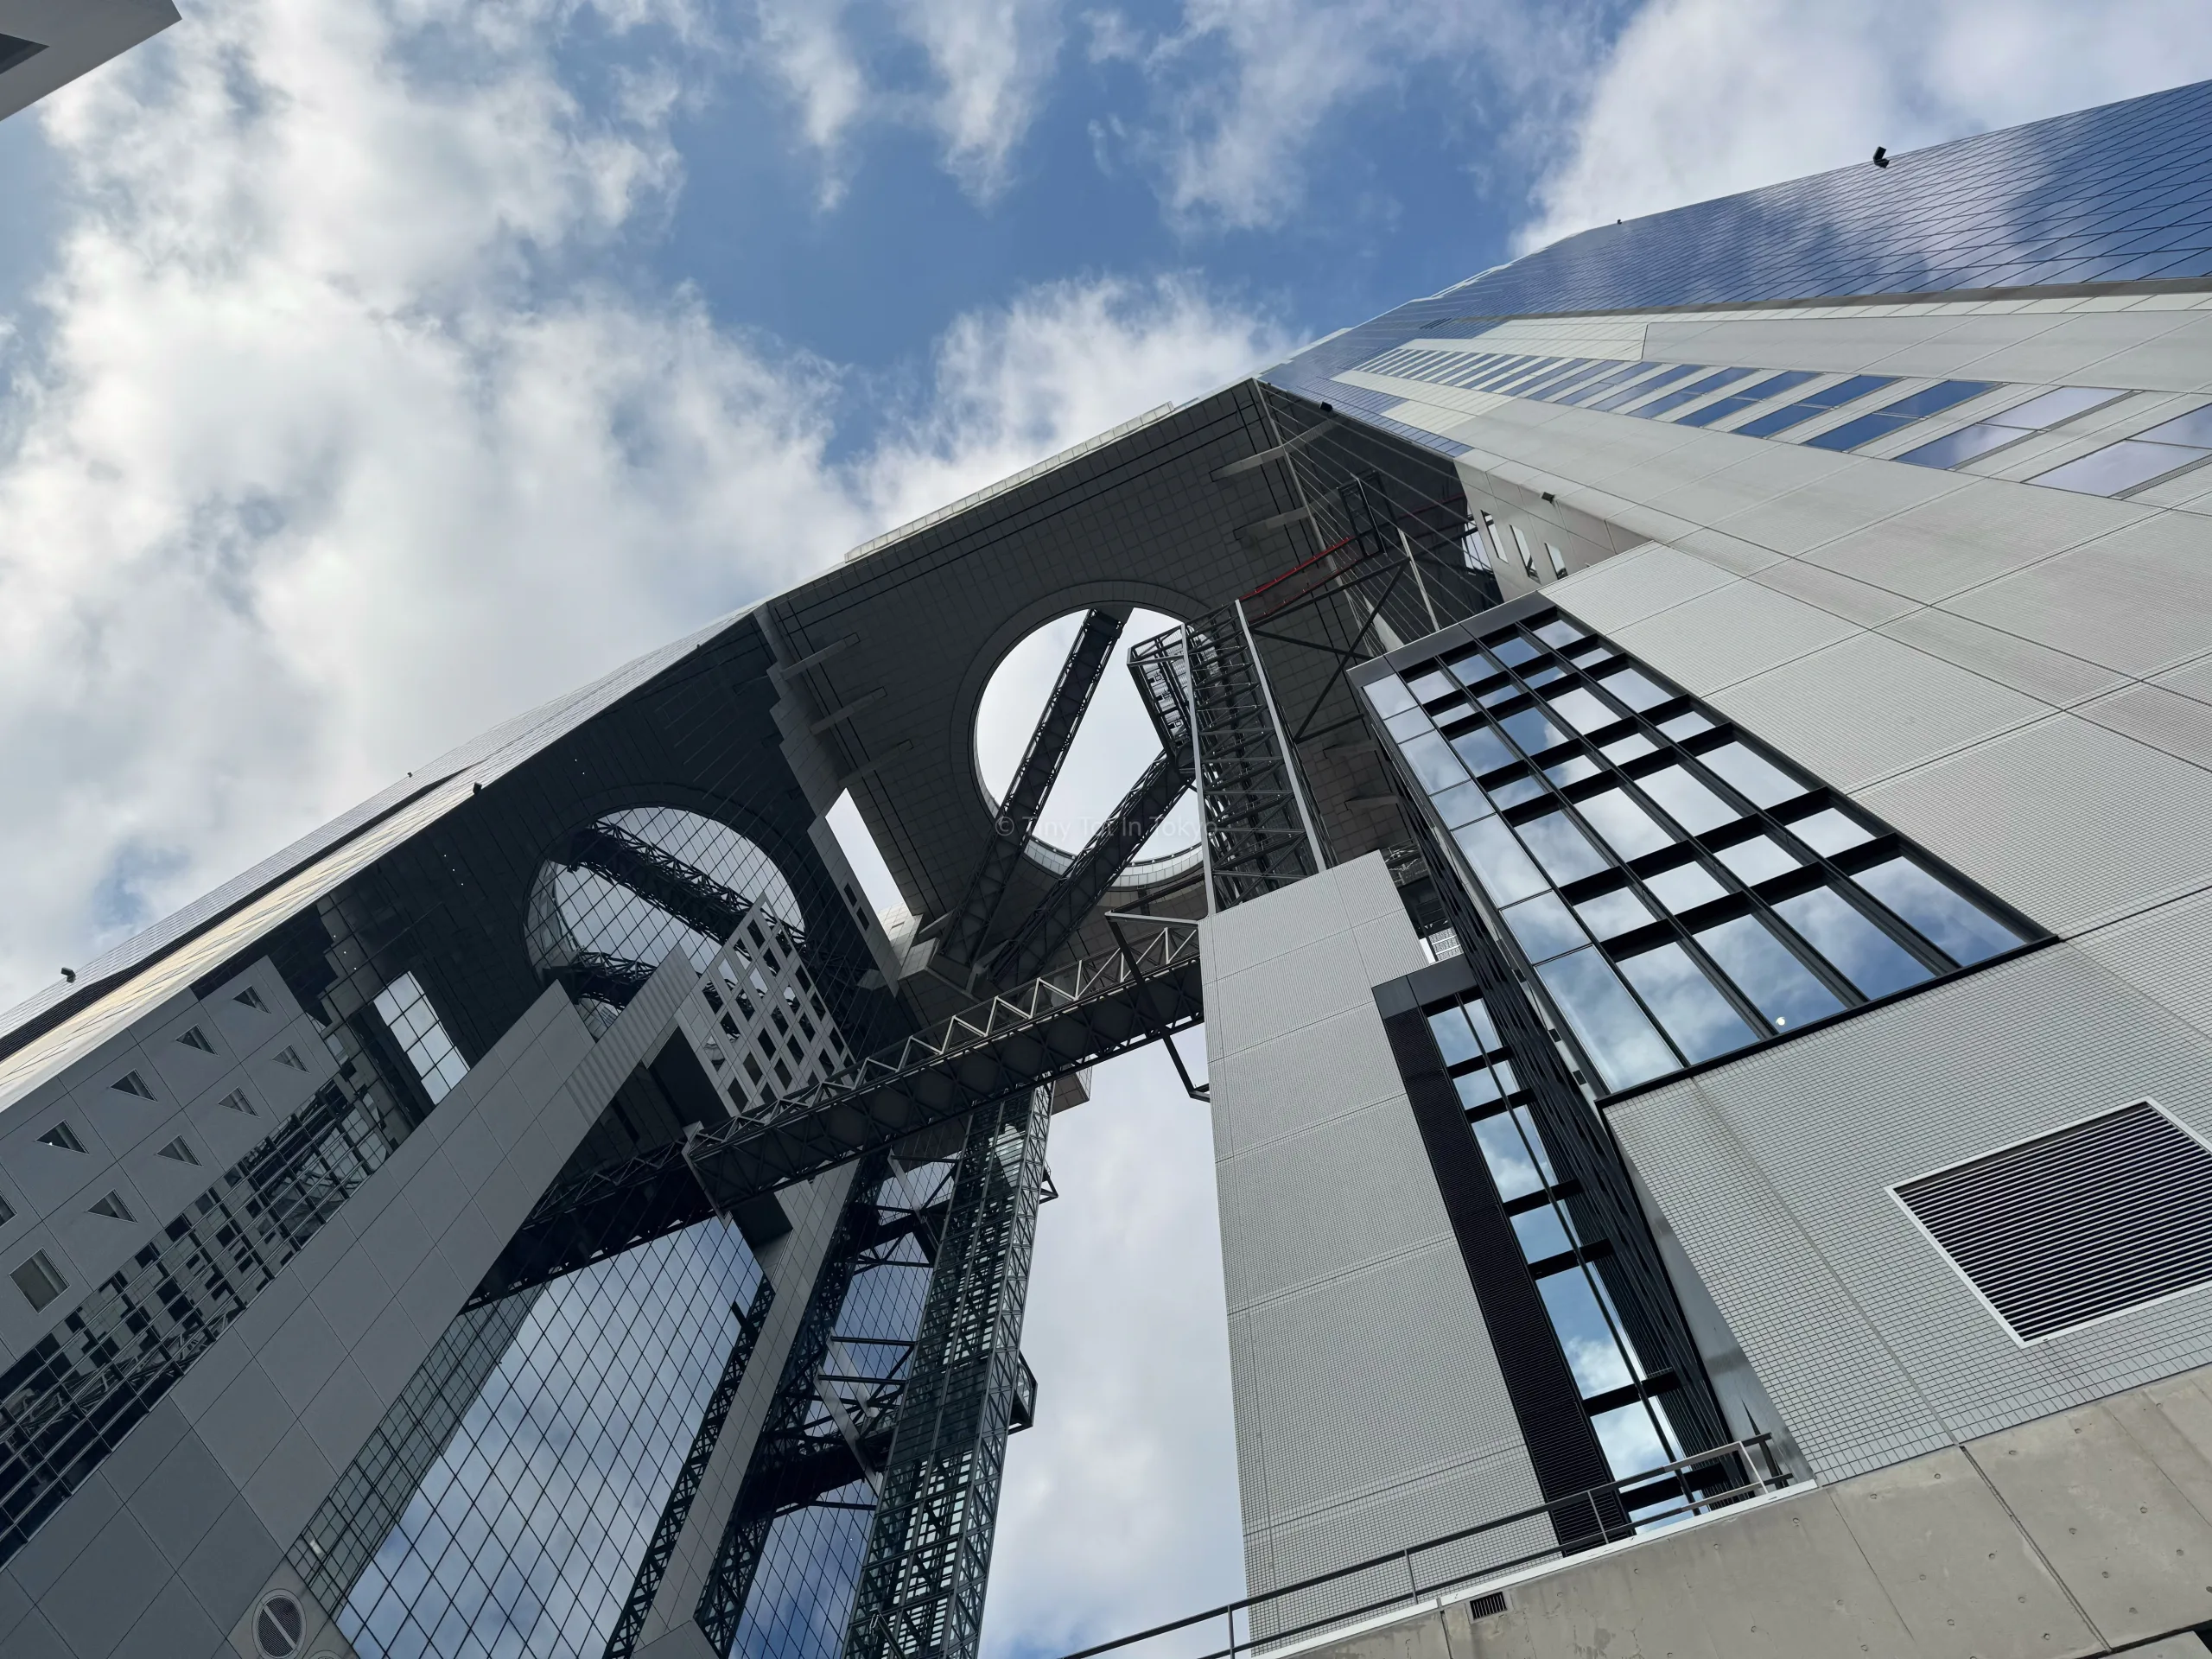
992	60
1119	1509
319	456
803	45
1246	91
1703	97
984	68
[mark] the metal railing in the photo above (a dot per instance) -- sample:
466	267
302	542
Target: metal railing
1588	1511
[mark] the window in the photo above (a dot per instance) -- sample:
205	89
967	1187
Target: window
13	49
406	1009
131	1083
1645	388
1735	403
63	1136
289	1058
1914	406
178	1152
1834	397
1528	560
251	999
1565	1255
2079	1224
113	1207
1690	394
6	1213
2123	467
197	1038
38	1281
1677	894
236	1101
1994	432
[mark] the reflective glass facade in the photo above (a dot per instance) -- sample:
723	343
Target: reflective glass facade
524	1536
1679	892
2112	195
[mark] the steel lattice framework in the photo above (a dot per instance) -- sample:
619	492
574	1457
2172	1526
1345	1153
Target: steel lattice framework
1086	1011
785	1444
970	922
612	980
1259	835
1091	876
921	1586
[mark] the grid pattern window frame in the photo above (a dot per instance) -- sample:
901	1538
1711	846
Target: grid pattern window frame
1625	1397
1673	891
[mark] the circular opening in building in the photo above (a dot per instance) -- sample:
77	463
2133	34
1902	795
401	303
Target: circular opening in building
621	893
1114	742
279	1626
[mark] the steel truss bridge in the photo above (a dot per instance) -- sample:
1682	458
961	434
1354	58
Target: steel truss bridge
1090	1009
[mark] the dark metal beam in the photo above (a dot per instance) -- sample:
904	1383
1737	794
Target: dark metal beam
1087	1011
611	980
1093	1008
690	895
1092	874
920	1594
962	938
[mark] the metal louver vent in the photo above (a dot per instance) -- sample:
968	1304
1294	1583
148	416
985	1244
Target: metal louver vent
2072	1226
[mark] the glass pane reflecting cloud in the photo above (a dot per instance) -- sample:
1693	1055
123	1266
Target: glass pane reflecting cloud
1757	779
1945	918
1858	950
1620	1042
1562	847
1544	927
1685	800
1592	1354
1774	982
1510	1165
1694	1014
1504	870
1484	750
1625	826
1684	887
1611	914
1430	756
1753	862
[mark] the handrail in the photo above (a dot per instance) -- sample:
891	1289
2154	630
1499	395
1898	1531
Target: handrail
1588	1501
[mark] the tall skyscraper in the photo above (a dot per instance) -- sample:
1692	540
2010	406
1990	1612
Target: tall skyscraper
1698	903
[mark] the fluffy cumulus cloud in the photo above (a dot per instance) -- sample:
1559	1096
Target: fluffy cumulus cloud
1701	98
1246	91
324	446
971	73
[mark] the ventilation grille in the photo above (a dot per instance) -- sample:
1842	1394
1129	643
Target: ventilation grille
2097	1217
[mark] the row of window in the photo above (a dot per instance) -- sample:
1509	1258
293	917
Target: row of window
1679	893
792	1035
1617	1388
1650	390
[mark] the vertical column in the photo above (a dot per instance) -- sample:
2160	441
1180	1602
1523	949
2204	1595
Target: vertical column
921	1590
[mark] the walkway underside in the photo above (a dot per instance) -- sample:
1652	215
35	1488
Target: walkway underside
1087	1011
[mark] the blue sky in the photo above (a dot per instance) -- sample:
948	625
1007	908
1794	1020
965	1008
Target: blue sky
373	369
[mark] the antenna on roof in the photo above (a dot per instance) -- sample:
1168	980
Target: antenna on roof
1881	155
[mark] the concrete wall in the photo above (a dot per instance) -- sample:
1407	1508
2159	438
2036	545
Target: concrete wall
1370	1413
2085	1532
2017	677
